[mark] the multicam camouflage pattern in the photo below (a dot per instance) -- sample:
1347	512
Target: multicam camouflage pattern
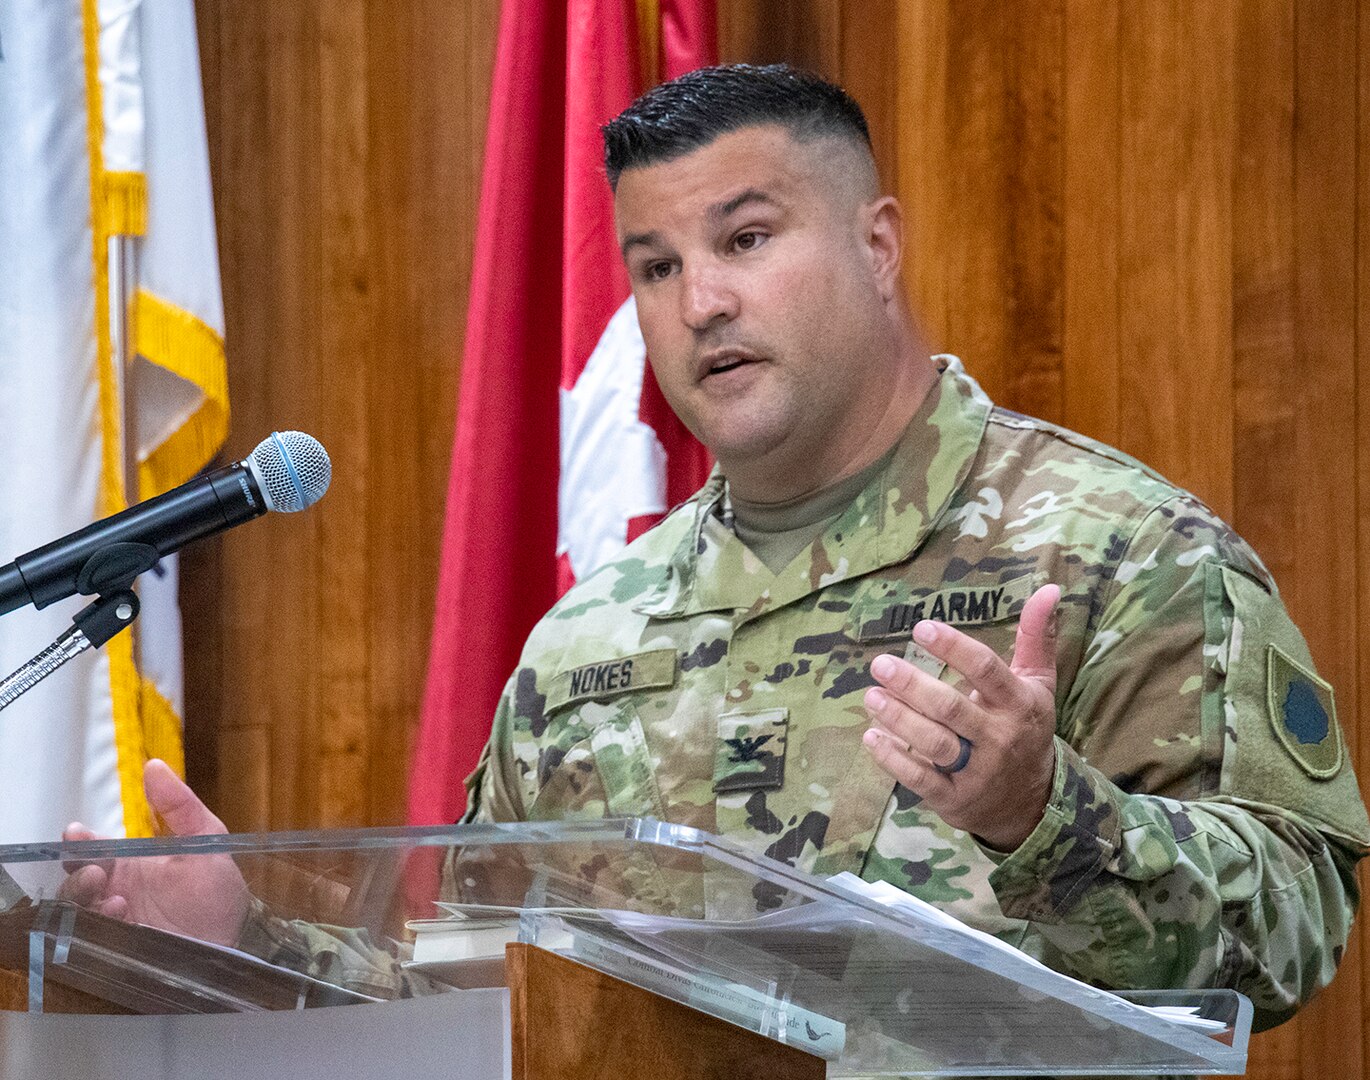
1185	843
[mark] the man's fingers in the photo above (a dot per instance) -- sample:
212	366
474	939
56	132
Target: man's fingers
116	907
85	886
77	831
931	697
1003	716
977	662
906	769
928	735
74	833
885	735
178	807
1034	649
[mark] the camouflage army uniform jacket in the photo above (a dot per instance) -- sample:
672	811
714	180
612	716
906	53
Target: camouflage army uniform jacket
1204	821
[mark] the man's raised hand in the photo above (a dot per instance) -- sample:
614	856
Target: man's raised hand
202	896
1000	734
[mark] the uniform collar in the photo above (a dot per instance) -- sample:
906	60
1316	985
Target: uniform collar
712	570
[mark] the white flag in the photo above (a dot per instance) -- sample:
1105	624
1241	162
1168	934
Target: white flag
104	181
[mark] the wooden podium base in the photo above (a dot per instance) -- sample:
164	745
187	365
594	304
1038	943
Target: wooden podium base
14	997
570	1022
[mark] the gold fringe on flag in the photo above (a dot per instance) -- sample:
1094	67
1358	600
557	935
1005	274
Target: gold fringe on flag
174	339
161	727
125	212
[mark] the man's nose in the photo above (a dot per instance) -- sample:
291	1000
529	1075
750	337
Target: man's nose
707	297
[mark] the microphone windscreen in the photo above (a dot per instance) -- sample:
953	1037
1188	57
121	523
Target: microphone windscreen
292	469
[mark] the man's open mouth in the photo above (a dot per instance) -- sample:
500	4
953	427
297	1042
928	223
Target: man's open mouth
725	361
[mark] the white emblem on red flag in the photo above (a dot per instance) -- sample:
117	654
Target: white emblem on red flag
613	466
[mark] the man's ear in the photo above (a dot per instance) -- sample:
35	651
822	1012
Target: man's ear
885	243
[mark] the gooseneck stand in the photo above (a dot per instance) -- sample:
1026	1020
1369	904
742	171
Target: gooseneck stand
92	626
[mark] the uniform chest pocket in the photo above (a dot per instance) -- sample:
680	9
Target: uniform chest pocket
607	772
750	755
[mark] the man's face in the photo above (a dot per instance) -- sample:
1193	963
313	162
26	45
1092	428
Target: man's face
761	298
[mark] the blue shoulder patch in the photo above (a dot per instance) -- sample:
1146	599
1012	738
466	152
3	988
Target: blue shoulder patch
1304	714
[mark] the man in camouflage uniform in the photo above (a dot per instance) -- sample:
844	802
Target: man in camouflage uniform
1002	666
900	632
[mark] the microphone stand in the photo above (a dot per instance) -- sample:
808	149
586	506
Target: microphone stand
92	626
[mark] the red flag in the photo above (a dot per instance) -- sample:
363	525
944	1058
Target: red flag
554	387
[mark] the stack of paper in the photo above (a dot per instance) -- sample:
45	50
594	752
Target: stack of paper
466	946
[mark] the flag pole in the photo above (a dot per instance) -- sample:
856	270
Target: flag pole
122	271
122	275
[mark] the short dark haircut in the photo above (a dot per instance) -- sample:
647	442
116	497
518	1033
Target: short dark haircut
693	110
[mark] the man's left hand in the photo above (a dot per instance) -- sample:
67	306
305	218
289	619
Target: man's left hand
1008	719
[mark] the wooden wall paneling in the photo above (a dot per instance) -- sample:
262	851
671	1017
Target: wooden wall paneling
1114	212
1264	374
1035	195
868	69
1325	309
444	322
243	757
294	304
980	166
1089	221
1263	335
742	33
806	33
428	130
1149	162
415	105
971	189
1265	380
1358	735
649	40
818	29
921	72
1207	47
1174	265
346	144
226	698
1325	224
347	357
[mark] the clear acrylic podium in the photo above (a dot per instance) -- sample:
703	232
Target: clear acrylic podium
628	937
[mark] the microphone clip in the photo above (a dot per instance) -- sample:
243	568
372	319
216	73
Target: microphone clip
101	620
114	567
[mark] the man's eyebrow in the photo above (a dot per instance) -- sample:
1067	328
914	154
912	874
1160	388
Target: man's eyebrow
717	212
721	210
645	239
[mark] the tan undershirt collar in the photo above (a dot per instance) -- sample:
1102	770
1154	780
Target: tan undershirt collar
777	532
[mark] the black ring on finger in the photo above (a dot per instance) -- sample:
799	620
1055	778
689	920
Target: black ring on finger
962	759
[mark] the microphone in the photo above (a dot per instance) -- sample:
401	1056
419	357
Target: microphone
288	471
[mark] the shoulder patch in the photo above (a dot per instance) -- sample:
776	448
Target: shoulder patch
1303	712
654	669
